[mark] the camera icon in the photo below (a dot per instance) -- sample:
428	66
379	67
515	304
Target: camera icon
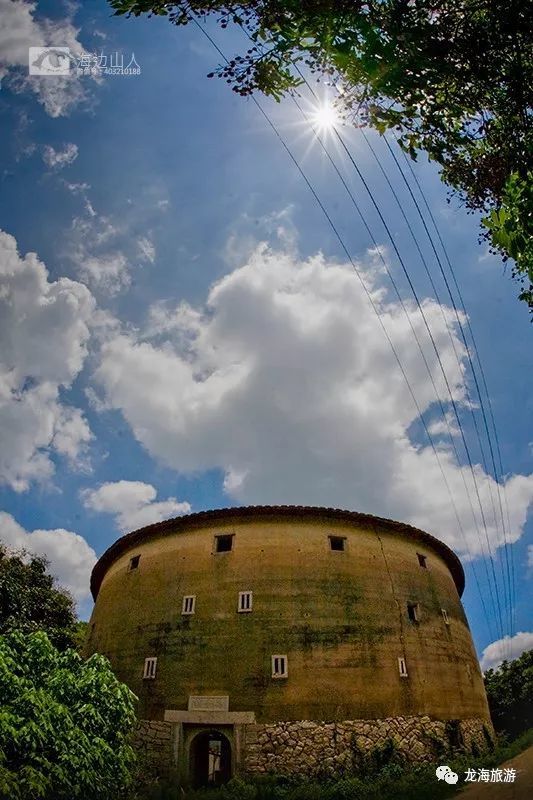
49	60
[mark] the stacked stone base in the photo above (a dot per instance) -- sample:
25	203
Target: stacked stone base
309	749
153	743
318	749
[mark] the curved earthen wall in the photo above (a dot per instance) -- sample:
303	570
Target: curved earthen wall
340	617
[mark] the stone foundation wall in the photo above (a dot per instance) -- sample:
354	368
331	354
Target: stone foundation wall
154	743
312	749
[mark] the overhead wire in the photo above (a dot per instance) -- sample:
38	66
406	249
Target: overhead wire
509	560
500	471
354	266
505	575
439	360
420	413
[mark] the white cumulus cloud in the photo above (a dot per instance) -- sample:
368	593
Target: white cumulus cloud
20	29
132	503
285	382
146	249
57	159
96	252
506	649
44	331
71	558
108	273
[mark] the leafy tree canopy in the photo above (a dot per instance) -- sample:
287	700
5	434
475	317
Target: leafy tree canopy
510	694
64	723
29	599
79	635
451	77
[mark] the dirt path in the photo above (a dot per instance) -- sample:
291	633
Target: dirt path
521	789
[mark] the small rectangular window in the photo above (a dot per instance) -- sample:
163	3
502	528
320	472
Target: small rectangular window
422	560
413	612
189	603
150	666
445	616
134	563
402	667
245	601
224	543
280	667
337	542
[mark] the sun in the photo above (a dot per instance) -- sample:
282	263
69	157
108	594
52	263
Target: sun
325	117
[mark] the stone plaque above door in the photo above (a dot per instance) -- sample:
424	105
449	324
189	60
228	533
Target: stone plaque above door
208	702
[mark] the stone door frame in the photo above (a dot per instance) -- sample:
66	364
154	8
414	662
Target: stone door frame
188	724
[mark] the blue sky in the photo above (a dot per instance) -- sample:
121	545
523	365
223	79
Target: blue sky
199	340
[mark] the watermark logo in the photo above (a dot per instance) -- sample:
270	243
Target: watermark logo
444	773
490	775
107	64
496	775
60	61
49	60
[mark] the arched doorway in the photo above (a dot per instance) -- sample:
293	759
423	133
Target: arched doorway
209	759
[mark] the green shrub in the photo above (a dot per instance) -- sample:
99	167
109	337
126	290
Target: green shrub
510	691
64	723
237	789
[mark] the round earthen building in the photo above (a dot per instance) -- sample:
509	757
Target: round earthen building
288	639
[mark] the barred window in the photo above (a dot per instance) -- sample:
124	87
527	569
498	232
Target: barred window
188	604
150	667
245	602
280	667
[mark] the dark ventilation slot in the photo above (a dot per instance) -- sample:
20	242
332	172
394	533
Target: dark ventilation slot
413	612
337	543
224	543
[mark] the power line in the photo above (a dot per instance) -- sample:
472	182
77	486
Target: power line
507	586
446	381
433	286
452	400
369	297
501	488
420	414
